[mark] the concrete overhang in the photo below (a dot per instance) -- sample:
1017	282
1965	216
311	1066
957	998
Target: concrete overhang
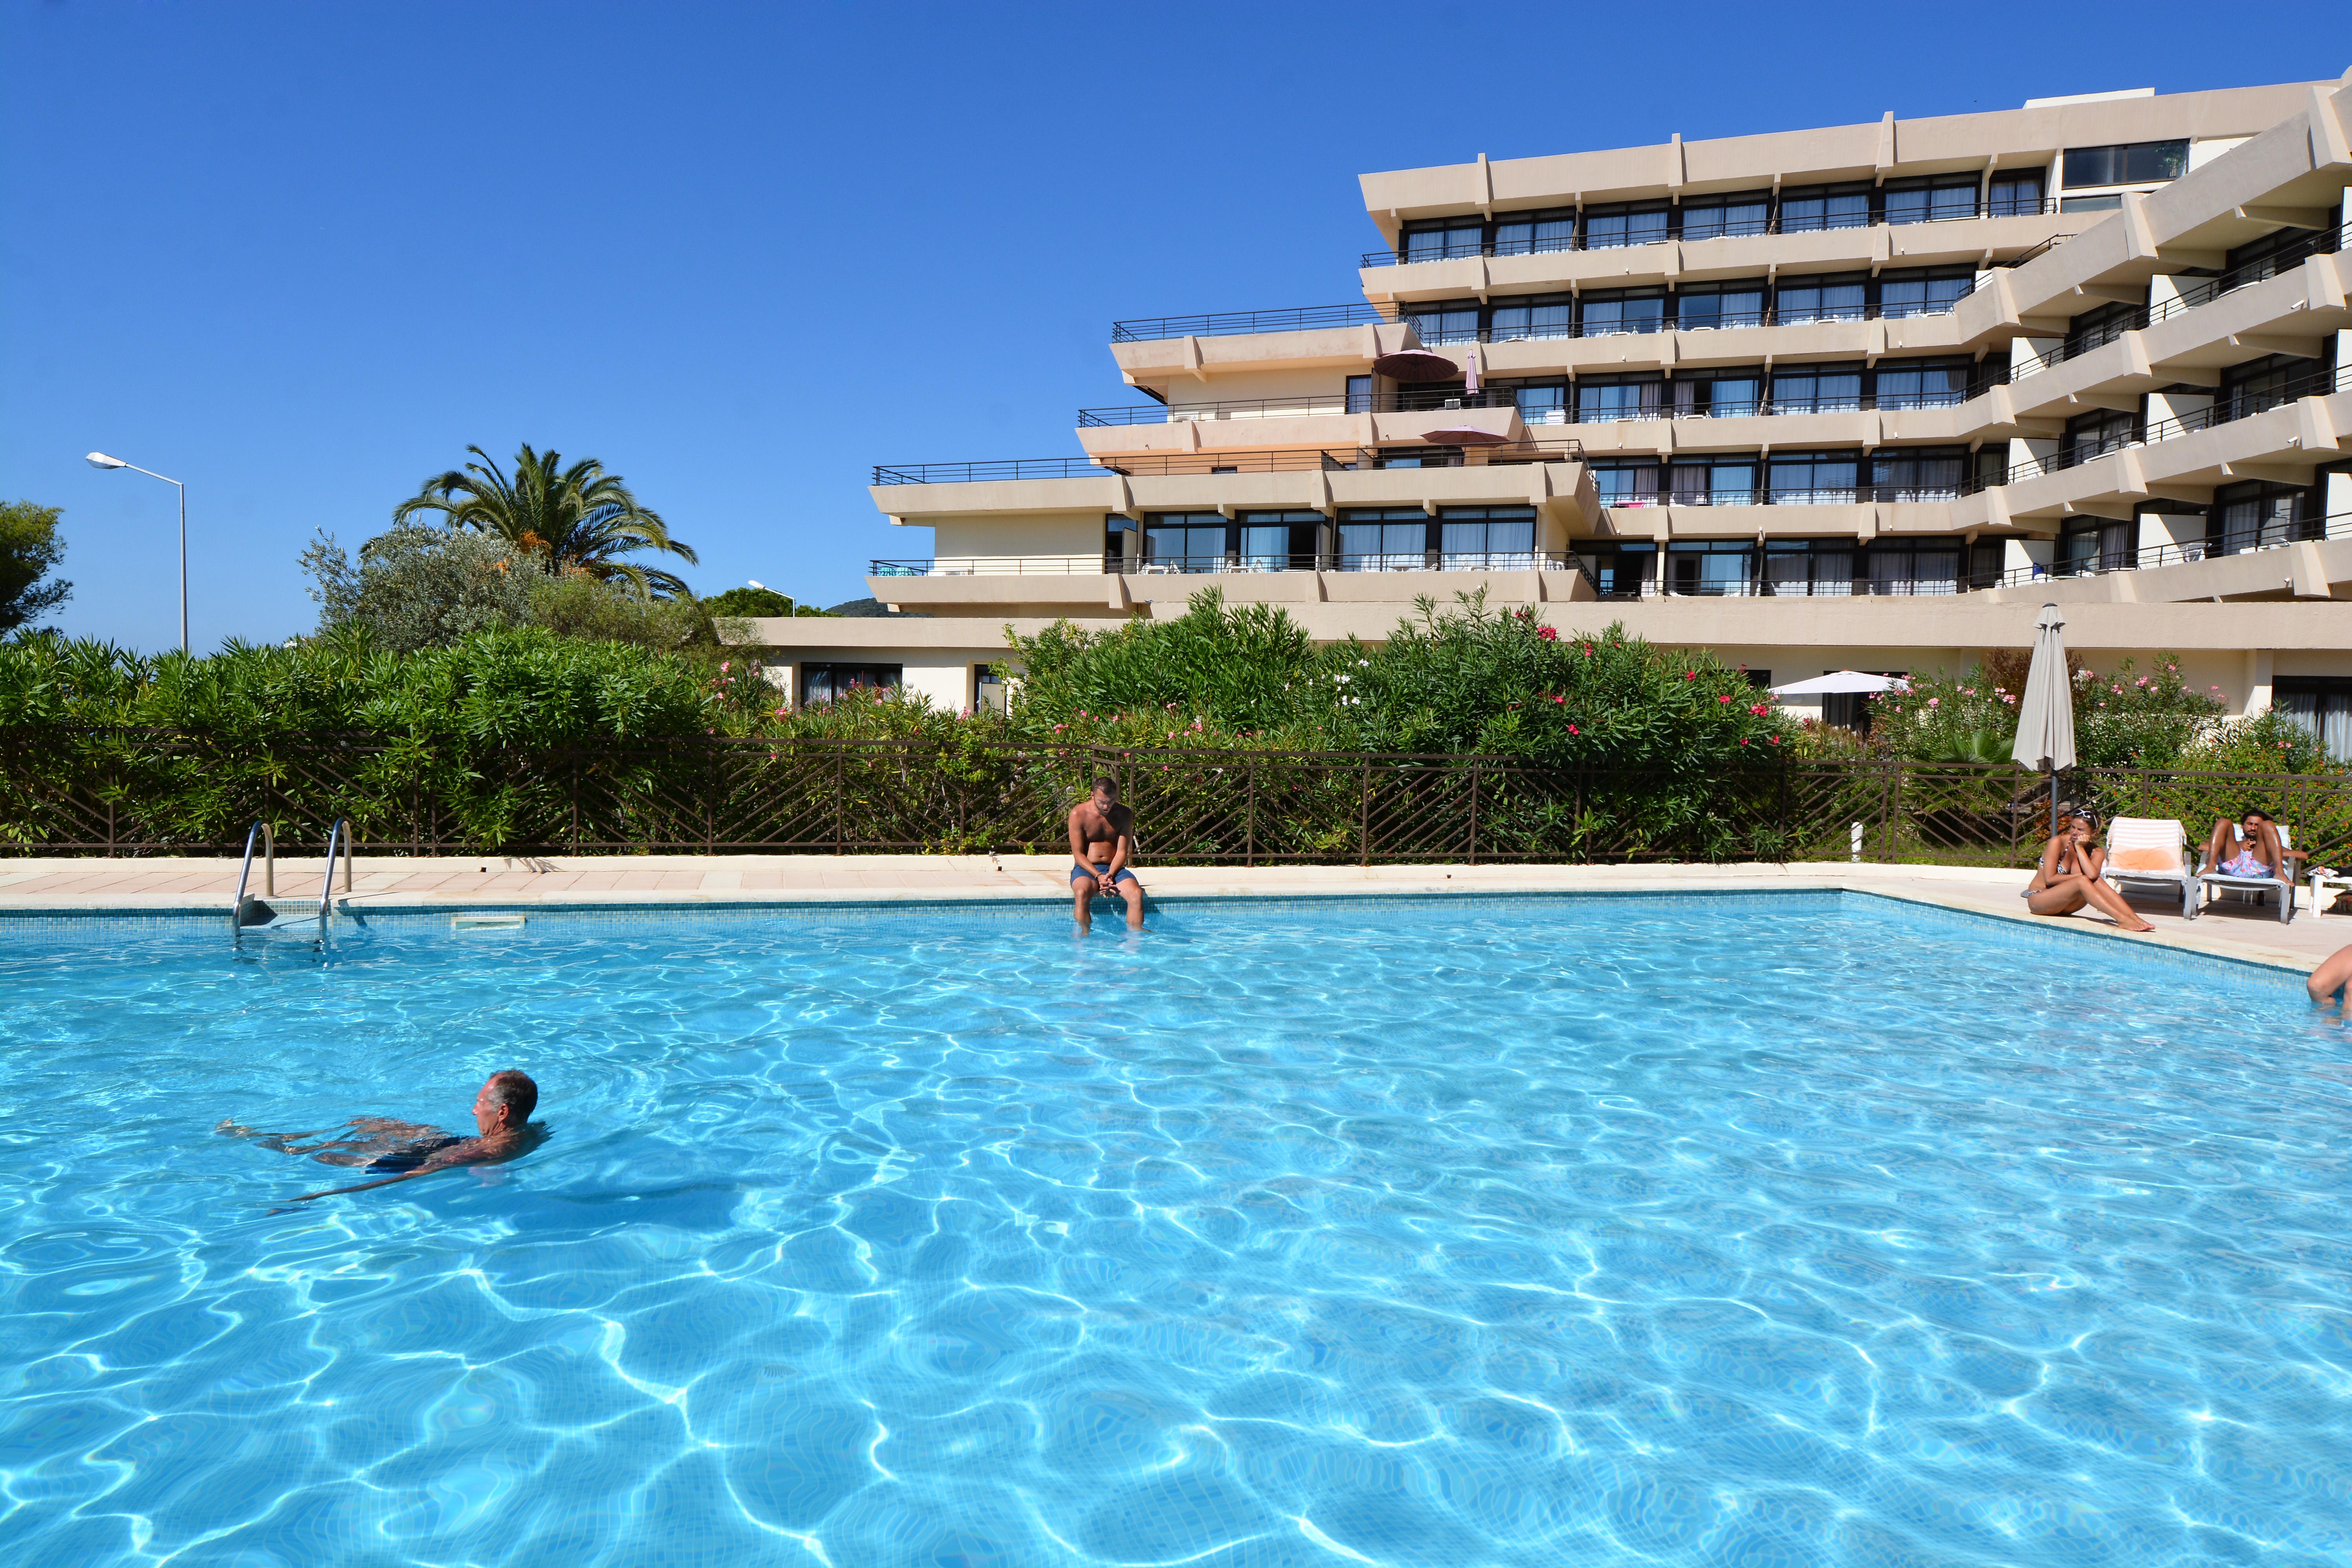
1161	362
1332	432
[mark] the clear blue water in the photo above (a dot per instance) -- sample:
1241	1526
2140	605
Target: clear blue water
1753	1232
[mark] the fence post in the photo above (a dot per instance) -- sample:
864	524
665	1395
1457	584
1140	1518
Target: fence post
1364	824
840	792
1891	806
710	799
1249	822
1474	814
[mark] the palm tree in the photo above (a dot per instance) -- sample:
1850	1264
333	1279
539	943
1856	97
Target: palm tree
579	519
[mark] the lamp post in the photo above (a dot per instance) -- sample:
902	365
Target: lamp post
101	460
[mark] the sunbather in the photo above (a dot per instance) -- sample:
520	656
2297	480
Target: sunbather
2247	848
2068	879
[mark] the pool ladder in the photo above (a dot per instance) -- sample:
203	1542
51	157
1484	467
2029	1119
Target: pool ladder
248	911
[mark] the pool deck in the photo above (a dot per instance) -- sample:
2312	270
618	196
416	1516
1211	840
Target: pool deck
86	885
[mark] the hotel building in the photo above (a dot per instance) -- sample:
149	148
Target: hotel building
1859	397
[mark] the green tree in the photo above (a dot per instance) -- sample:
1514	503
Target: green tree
575	604
577	519
418	587
758	601
29	550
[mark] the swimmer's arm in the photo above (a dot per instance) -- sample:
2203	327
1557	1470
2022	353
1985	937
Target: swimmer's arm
440	1162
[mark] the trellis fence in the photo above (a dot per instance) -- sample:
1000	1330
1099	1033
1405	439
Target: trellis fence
144	792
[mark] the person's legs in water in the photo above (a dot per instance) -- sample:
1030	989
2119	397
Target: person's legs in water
1131	890
1082	898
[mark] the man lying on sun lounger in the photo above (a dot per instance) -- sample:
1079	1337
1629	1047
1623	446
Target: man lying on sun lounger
2250	848
501	1118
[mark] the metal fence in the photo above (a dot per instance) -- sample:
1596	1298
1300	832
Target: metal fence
146	792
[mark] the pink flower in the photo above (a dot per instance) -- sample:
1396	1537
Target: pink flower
1743	740
1935	702
1547	634
1723	698
1775	740
1760	710
1574	731
1690	675
1559	699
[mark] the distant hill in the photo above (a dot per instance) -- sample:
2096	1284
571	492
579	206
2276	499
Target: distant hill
873	609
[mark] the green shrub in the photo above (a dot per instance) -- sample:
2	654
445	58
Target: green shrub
758	601
417	588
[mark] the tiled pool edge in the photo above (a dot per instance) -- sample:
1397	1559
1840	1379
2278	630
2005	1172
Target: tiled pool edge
25	919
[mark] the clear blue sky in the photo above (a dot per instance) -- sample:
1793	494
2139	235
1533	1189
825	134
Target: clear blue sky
300	255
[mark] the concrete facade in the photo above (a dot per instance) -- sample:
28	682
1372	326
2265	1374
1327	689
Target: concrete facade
1863	396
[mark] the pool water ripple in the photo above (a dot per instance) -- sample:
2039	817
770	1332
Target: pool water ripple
1777	1231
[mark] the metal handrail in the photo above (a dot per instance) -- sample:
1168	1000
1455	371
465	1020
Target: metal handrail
1400	401
268	873
1240	323
1582	240
2148	557
1209	460
338	837
1236	563
2325	242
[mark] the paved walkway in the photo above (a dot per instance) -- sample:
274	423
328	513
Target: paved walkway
85	885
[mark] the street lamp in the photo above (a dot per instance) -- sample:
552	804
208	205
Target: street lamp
101	460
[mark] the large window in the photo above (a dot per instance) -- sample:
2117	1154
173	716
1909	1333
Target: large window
1916	474
1607	228
2323	706
1921	384
1626	484
1604	400
1183	542
1712	217
1278	541
1528	234
1542	403
1487	539
1710	305
1454	321
1723	394
1812	479
1360	395
1933	200
1803	569
2015	194
1910	567
2258	515
2095	328
1387	538
2095	434
1923	291
1710	567
1622	570
2096	545
1837	297
1712	481
1824	206
2126	164
1545	317
1817	389
1443	241
2261	385
821	683
1609	312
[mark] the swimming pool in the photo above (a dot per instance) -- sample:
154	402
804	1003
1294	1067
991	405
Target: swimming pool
1796	1229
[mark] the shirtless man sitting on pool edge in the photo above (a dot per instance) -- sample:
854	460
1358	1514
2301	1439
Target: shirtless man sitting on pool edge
1102	842
502	1118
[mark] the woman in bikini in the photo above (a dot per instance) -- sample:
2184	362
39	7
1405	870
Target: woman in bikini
2069	875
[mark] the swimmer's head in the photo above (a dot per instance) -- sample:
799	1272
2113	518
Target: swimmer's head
506	1102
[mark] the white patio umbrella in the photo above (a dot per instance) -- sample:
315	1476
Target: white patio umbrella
2045	714
1840	683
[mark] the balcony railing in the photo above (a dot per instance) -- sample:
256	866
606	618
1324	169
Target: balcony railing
1816	495
1580	240
1193	565
1240	323
2243	404
1404	400
2325	242
1435	335
1292	461
2147	558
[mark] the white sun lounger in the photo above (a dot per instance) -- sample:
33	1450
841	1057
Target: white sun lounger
2255	887
2152	852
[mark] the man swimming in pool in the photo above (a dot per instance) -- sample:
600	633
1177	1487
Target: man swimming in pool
1102	842
502	1118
